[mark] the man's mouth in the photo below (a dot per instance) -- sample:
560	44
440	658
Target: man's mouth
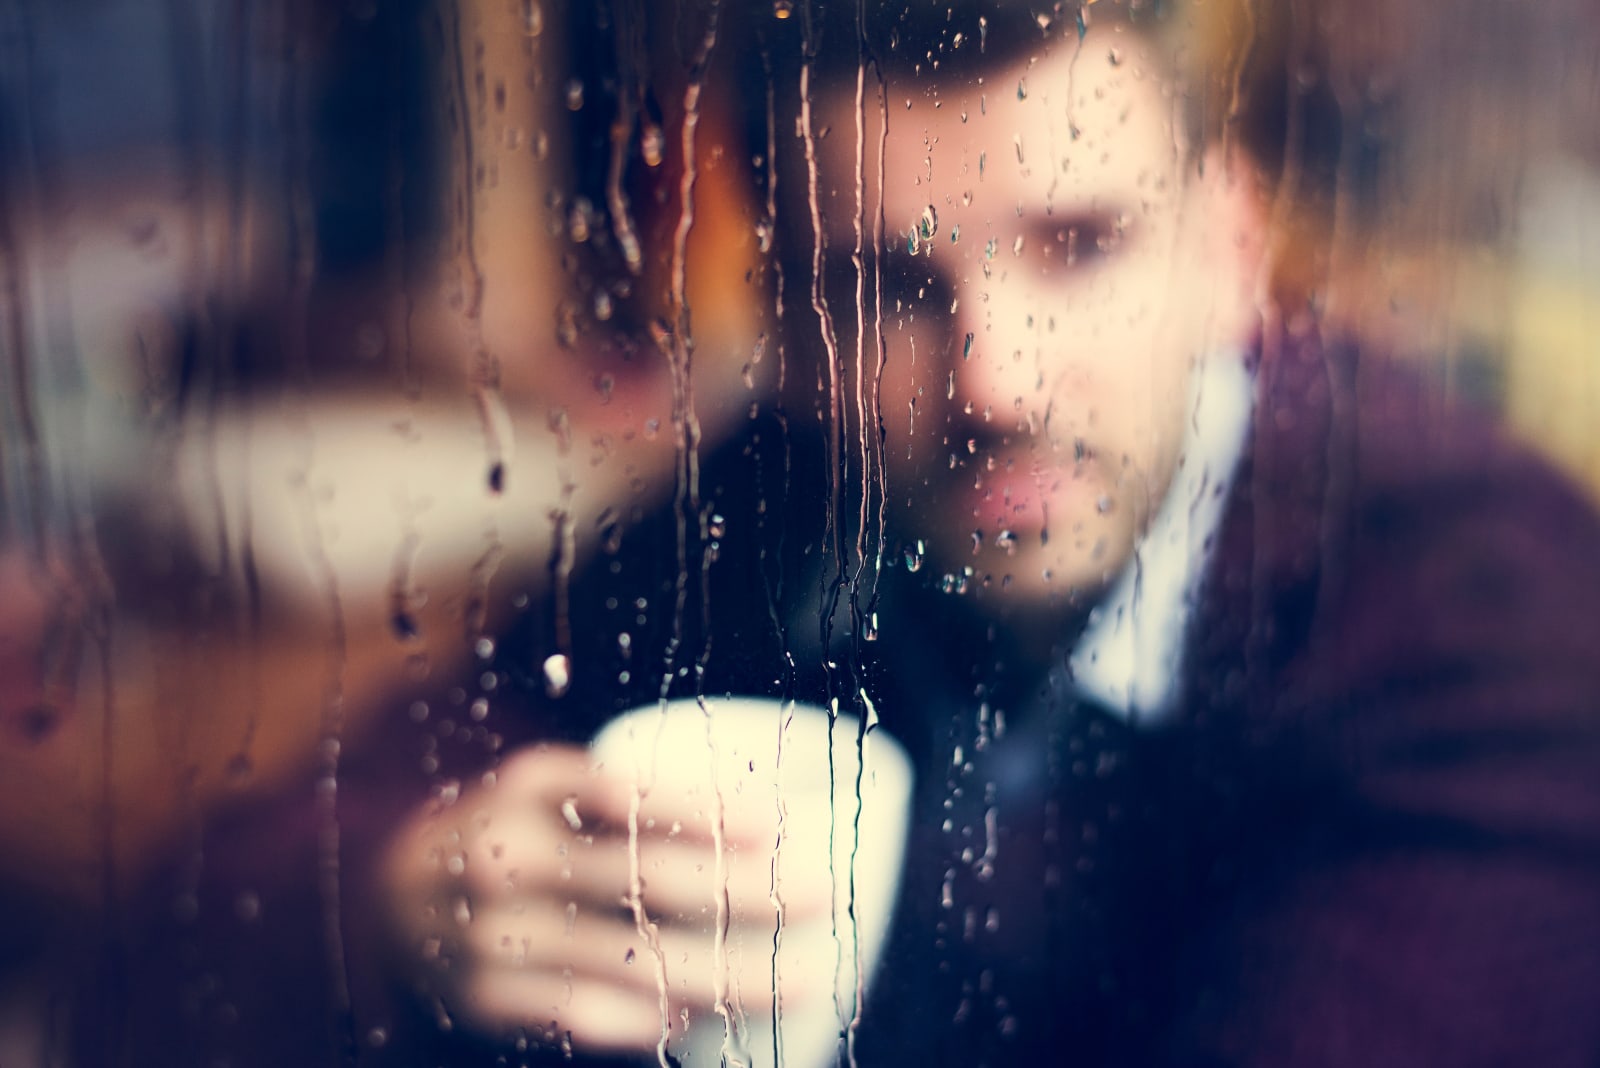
1010	488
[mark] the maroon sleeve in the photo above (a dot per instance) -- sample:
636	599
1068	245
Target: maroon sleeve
1415	876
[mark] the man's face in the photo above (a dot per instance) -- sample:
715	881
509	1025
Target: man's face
1054	269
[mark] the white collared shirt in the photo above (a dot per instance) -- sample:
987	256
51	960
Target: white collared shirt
1131	652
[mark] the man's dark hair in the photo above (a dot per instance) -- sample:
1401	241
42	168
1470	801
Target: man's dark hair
1248	73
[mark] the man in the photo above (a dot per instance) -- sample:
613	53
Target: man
1264	732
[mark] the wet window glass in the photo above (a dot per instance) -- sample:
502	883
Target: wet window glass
799	533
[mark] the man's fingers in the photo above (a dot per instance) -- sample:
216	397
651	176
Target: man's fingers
562	779
681	880
565	781
586	947
597	1015
524	854
588	943
517	850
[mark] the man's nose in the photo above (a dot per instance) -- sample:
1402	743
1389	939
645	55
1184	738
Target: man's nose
999	329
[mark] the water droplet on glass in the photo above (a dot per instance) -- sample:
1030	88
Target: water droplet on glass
578	220
557	674
569	812
403	625
651	144
611	537
915	554
566	325
782	8
532	17
574	94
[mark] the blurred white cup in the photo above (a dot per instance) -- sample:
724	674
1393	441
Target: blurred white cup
768	759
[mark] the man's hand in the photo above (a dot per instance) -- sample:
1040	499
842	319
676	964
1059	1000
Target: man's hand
530	904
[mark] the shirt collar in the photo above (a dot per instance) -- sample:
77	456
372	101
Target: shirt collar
1131	652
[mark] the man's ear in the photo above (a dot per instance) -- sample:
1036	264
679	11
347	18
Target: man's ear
1235	241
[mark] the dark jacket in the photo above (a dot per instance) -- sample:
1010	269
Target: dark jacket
1371	833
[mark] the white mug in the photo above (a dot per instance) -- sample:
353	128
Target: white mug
773	757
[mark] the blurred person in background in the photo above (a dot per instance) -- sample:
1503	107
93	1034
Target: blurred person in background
350	364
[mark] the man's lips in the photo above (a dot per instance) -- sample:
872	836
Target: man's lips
1016	487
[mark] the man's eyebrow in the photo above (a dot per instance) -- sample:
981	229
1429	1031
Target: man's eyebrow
1098	215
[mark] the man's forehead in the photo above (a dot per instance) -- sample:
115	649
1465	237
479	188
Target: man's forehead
965	35
1063	125
1092	94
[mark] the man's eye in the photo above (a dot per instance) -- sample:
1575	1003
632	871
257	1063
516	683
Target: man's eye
1084	240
